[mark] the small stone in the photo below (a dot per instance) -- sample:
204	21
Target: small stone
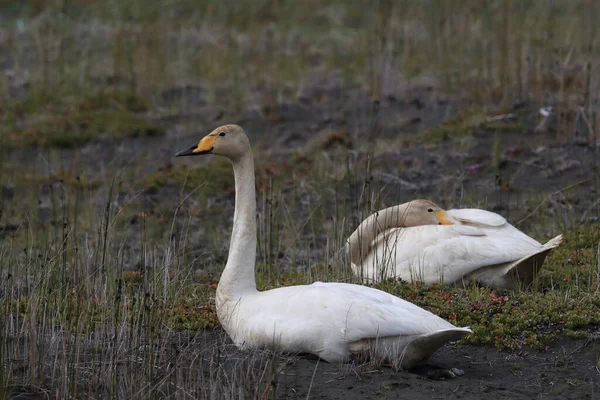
441	374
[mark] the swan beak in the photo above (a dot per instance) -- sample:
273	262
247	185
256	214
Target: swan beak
205	146
442	217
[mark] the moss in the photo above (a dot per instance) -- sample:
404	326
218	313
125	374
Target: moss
65	176
507	320
202	180
463	124
114	100
77	129
57	99
215	177
48	120
467	123
185	315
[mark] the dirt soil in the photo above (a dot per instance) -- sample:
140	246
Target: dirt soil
566	370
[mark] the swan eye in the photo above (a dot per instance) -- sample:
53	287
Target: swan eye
222	134
430	210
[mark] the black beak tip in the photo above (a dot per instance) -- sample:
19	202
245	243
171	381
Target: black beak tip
186	152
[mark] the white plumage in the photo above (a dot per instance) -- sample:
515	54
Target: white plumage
334	320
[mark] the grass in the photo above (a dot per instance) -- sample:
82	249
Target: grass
108	269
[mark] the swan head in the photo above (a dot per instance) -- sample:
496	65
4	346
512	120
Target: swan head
425	212
229	141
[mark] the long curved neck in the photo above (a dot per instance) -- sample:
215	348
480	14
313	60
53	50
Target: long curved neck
238	276
359	242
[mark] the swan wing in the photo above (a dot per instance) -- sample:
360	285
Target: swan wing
475	216
433	254
492	224
323	318
370	313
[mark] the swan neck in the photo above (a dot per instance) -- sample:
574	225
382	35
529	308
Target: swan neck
359	243
238	276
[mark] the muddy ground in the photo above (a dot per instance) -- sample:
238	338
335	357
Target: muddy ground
213	368
568	369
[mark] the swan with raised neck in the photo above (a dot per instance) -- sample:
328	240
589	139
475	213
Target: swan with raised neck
334	321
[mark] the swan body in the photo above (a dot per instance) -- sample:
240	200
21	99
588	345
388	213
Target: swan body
458	247
334	321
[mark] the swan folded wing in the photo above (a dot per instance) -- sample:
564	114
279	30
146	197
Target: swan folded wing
432	254
491	249
289	319
491	224
474	216
444	260
360	312
325	317
502	234
429	254
406	243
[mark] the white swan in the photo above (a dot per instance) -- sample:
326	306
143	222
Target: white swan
331	320
418	241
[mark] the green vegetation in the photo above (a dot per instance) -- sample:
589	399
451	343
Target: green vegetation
46	120
467	123
203	181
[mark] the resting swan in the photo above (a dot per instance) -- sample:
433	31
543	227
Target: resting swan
331	320
418	241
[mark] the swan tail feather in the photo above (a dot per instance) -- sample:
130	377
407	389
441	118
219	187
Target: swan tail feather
524	270
423	346
554	242
517	273
438	338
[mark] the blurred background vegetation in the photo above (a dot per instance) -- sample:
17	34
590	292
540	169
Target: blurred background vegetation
489	51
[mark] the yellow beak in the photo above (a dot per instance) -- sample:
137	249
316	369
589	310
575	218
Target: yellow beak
205	146
442	217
